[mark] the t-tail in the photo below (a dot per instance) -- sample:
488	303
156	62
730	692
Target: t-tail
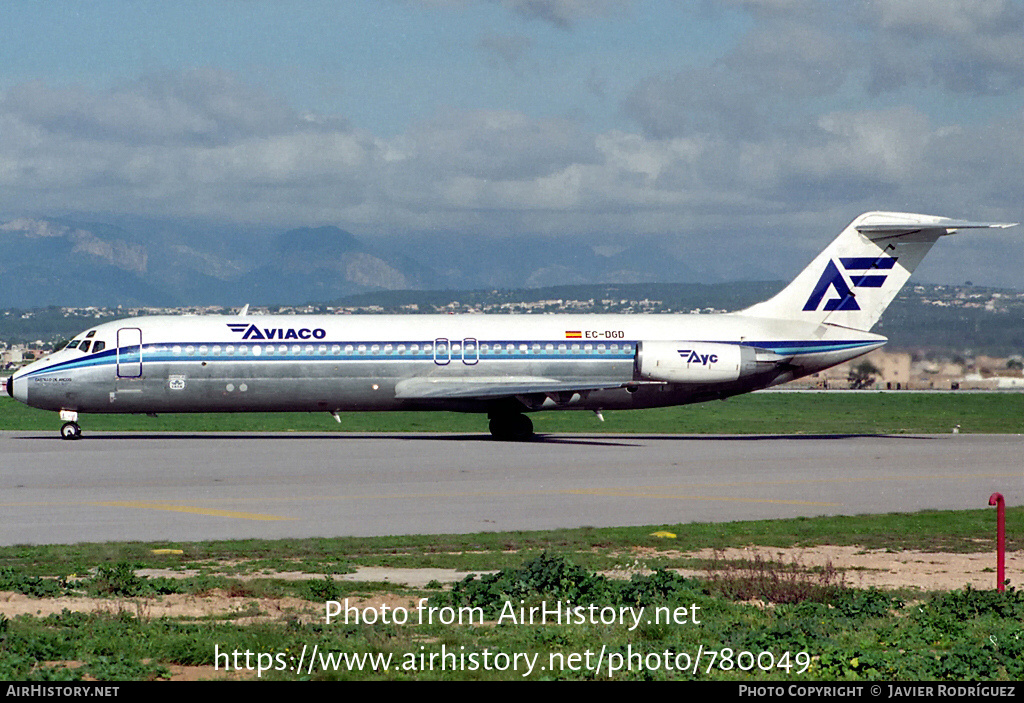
852	282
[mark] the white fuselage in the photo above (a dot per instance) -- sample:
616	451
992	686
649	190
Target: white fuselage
473	363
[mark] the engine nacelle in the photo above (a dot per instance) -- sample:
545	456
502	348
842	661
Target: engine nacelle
694	362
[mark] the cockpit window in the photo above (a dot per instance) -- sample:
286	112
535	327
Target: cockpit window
92	333
84	346
73	344
99	346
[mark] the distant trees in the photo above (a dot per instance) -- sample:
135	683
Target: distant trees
863	375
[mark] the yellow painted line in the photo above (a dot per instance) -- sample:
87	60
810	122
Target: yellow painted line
191	509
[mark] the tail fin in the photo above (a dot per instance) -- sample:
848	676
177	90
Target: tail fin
853	281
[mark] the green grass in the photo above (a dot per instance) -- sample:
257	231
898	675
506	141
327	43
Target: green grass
840	632
816	628
597	548
760	413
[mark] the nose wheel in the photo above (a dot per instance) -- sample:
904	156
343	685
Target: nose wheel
70	430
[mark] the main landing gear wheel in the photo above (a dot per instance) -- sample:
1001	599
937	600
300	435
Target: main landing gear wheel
515	427
70	430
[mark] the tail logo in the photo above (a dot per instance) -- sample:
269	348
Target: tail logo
832	278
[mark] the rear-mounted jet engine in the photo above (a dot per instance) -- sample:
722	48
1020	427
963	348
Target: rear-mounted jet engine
695	362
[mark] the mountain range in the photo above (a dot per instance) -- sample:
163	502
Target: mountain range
134	261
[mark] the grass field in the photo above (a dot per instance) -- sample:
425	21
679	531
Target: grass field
759	413
764	621
596	548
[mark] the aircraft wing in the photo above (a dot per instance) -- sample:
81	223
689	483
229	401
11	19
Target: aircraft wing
478	387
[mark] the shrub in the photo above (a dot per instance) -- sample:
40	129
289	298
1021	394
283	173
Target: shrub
773	581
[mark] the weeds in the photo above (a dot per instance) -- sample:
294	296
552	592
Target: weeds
321	590
847	633
554	576
773	581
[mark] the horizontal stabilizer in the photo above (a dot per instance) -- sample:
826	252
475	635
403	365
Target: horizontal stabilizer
940	227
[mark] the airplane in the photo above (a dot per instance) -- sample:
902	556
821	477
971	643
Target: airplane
503	365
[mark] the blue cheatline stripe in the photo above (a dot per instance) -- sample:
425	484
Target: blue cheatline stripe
101	359
162	353
805	347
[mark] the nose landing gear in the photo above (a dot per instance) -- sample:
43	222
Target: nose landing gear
70	429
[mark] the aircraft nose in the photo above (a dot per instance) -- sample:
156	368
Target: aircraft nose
16	388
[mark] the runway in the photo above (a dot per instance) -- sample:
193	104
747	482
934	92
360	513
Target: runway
190	487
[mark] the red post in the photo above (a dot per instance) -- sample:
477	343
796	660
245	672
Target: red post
996	499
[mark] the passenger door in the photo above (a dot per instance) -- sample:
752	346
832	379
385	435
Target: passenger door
129	352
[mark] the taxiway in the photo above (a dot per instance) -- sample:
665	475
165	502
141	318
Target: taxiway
186	487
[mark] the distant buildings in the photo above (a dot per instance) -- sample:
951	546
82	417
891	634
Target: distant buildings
18	355
882	370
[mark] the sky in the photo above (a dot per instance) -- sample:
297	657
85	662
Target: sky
748	132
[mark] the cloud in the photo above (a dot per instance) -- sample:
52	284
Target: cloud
966	47
766	82
504	49
783	124
953	18
565	13
498	145
198	106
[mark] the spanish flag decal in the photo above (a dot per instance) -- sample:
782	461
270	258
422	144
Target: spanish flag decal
573	334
